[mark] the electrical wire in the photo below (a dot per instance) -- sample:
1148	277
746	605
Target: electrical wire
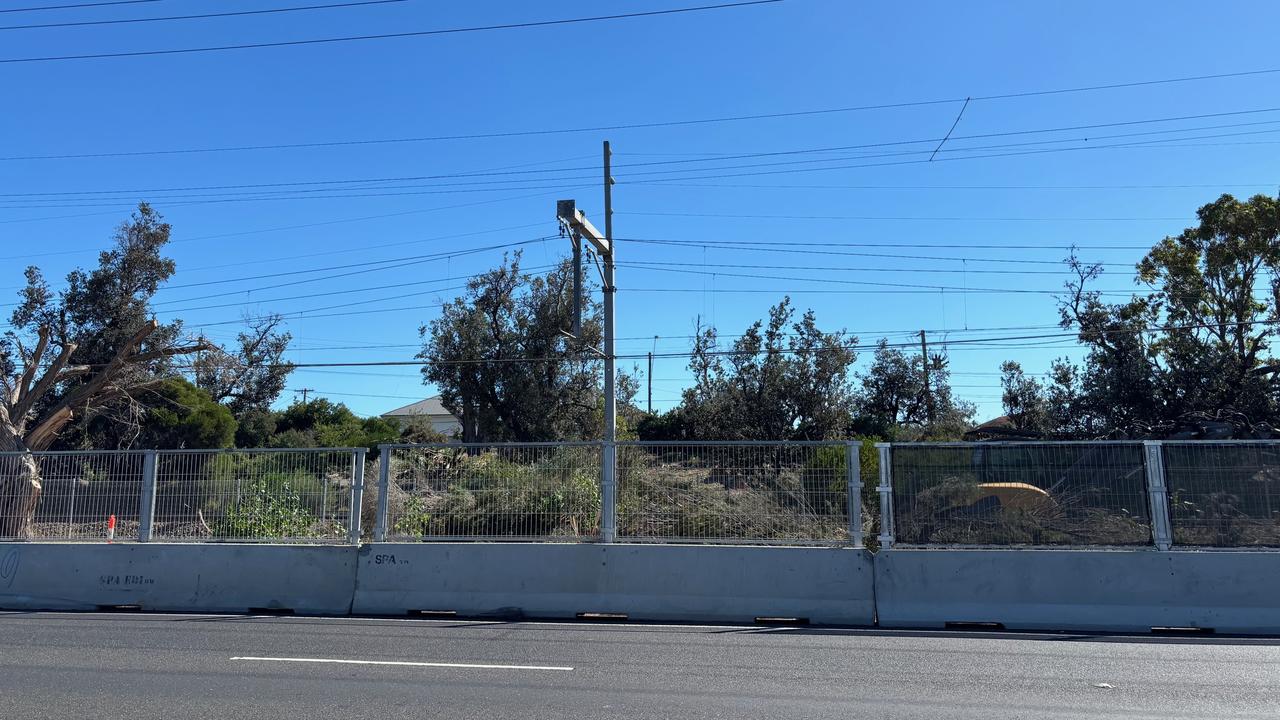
503	172
388	36
270	11
654	124
78	5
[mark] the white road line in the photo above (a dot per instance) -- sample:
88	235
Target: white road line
402	663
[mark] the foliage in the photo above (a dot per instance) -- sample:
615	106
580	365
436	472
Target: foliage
252	376
1197	342
503	363
787	380
98	317
322	423
86	366
896	402
255	428
182	415
759	496
267	510
419	431
453	492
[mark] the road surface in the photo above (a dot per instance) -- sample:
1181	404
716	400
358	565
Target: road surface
198	667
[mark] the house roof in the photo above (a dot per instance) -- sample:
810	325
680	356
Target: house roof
430	406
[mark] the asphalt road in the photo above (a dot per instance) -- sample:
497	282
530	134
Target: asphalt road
193	667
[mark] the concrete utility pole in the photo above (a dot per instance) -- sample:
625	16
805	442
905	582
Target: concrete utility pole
580	228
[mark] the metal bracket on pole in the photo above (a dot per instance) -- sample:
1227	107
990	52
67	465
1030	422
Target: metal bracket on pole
384	488
575	222
357	496
147	504
886	495
853	487
1158	495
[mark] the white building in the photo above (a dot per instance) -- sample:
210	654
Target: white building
442	421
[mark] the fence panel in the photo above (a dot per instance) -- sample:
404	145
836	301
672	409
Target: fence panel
1224	494
80	492
527	491
758	493
253	495
1066	493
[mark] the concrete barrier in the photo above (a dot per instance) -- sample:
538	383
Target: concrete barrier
644	582
1100	590
177	577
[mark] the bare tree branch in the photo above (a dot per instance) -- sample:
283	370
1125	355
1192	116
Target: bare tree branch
32	364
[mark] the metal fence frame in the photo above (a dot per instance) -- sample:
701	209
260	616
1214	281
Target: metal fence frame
1154	454
149	479
608	494
852	487
386	454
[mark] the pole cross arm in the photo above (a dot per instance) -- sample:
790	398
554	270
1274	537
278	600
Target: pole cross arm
571	217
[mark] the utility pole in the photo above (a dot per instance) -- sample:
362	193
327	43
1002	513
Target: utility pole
608	490
649	376
575	221
304	392
924	364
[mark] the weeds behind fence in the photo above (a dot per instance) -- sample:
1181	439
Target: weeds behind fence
1020	494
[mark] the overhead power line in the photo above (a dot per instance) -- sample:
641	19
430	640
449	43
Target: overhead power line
201	16
968	218
78	5
895	163
641	356
389	36
793	248
661	123
509	175
1001	188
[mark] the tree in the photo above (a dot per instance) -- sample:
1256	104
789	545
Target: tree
896	401
503	363
322	423
787	380
1199	341
1024	398
254	375
182	415
88	350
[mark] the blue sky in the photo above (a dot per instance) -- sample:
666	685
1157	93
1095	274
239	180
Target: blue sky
850	223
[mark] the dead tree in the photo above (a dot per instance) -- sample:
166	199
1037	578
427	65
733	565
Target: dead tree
29	423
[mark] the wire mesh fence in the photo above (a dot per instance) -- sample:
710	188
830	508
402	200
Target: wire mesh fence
247	495
1220	494
78	495
765	493
534	491
1020	494
1224	494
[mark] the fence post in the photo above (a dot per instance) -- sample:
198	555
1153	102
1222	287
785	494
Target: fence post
357	495
608	492
853	488
147	502
1158	495
886	496
384	488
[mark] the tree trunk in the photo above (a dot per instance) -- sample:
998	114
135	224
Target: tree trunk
19	486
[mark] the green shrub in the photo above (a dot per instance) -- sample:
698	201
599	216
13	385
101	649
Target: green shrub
266	510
